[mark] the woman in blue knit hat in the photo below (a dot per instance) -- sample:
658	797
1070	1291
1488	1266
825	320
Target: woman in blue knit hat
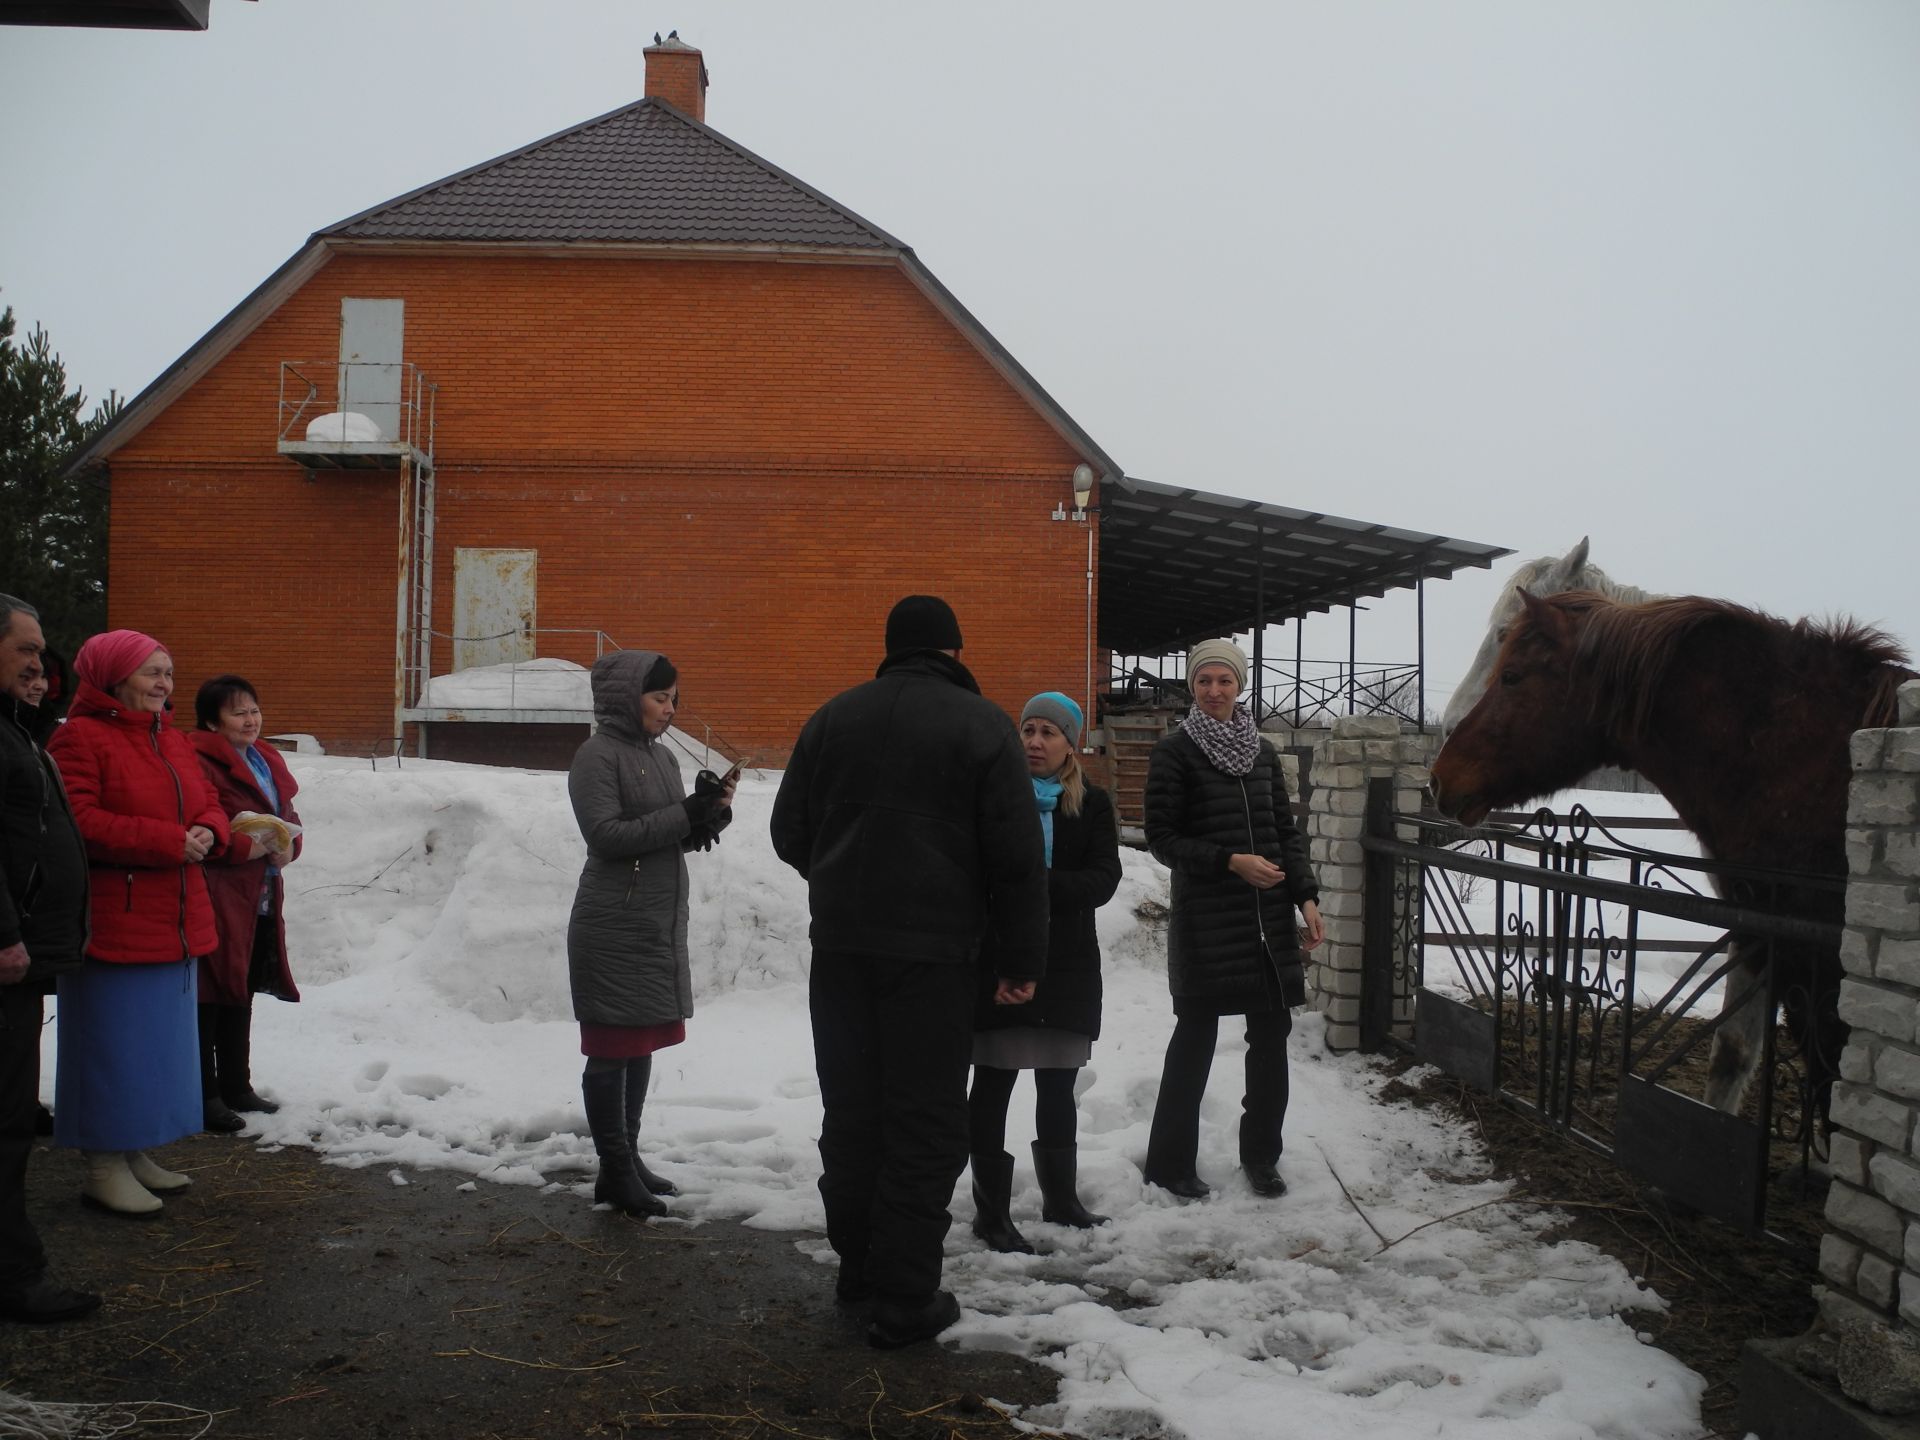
1052	1035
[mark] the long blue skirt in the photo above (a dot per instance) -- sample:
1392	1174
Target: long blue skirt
128	1075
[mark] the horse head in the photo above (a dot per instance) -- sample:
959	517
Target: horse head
1548	575
1533	731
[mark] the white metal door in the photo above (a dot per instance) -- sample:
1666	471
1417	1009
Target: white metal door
493	605
372	334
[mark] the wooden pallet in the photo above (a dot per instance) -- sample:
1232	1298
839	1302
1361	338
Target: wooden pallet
1131	736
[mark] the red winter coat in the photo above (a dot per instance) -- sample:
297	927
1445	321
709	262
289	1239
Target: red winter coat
234	877
135	786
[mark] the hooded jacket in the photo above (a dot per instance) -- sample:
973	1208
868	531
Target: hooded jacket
627	955
906	805
135	787
235	875
44	900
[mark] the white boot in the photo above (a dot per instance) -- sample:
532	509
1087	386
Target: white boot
110	1185
153	1177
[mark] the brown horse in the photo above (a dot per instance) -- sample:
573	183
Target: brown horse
1741	720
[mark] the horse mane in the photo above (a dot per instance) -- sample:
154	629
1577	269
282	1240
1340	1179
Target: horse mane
1590	578
1628	650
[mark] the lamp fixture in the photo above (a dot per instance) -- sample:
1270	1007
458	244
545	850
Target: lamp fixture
1082	489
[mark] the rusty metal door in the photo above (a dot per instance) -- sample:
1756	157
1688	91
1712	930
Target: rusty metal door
372	335
493	605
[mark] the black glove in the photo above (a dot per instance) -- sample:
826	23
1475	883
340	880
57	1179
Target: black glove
700	808
701	837
707	783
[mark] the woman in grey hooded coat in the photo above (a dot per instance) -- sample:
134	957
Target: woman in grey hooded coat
627	938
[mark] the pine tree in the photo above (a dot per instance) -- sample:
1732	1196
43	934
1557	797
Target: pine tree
53	528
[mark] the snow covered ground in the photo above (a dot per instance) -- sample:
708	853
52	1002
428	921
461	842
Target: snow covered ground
428	923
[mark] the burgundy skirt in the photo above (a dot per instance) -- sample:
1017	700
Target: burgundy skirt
628	1042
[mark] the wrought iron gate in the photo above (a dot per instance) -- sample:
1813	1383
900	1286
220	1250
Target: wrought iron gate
1563	970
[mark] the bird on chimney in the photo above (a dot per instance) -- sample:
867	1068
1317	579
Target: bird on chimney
656	37
673	34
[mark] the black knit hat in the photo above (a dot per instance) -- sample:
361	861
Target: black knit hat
922	622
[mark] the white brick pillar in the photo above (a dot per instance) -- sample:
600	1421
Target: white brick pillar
1870	1256
1359	749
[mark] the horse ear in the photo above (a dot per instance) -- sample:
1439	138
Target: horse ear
1576	560
1538	611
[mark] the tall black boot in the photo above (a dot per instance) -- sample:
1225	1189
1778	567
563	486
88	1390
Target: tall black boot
233	1059
617	1185
1056	1167
216	1116
639	1072
992	1202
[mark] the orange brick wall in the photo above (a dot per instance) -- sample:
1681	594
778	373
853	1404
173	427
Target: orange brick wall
741	463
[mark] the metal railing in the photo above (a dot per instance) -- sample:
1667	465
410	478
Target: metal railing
1311	696
310	389
1571	974
686	722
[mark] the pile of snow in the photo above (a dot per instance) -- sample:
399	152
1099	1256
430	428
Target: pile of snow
427	920
540	684
348	427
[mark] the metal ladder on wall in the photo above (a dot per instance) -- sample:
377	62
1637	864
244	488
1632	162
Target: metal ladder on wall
418	653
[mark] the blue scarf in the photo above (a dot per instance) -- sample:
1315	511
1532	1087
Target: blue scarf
1046	794
257	763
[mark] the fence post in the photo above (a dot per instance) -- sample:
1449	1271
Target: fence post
1870	1257
1358	750
1870	1254
1376	941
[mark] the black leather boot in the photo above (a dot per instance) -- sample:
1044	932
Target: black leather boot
216	1116
639	1072
1056	1167
992	1201
1265	1179
618	1184
907	1322
233	1059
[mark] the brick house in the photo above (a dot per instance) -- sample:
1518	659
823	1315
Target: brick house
629	385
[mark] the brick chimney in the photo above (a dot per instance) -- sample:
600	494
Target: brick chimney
677	75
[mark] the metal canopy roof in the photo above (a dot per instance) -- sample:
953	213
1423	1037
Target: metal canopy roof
1178	565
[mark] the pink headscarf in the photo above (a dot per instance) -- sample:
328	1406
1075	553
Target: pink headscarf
106	660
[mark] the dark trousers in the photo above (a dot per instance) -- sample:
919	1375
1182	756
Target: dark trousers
1173	1145
21	1255
892	1040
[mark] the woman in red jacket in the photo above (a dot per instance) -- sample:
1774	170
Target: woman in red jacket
247	893
128	1072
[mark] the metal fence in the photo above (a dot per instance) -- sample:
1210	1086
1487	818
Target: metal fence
1300	694
1580	978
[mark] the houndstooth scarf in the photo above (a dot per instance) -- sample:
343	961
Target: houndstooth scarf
1231	745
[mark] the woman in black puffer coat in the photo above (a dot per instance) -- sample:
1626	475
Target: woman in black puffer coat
1218	816
1053	1034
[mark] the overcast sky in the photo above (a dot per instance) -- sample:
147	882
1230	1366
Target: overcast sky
1510	271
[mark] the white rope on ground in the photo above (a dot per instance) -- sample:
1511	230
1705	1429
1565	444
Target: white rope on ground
23	1418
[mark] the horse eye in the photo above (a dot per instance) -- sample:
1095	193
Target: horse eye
1509	677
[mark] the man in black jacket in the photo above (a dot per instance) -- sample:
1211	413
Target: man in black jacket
43	930
907	807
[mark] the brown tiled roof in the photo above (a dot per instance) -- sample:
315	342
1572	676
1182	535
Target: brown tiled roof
642	174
